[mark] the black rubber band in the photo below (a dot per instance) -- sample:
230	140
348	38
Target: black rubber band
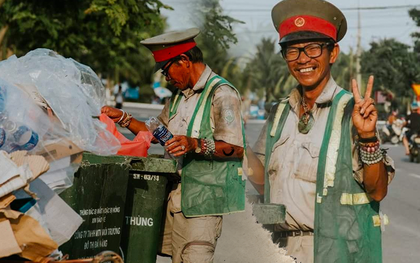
367	140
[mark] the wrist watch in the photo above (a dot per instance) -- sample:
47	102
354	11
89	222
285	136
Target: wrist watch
198	149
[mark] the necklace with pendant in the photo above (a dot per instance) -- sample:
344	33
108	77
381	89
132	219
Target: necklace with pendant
307	120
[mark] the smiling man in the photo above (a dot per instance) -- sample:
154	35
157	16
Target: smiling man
321	155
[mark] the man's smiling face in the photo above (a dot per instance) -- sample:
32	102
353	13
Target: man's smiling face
313	72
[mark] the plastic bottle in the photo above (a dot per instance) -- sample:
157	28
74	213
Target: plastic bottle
3	94
2	137
16	136
25	138
159	131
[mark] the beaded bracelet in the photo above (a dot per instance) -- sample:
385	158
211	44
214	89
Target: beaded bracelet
369	147
210	148
370	152
369	144
371	157
203	146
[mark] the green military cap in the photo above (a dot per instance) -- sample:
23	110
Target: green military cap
166	46
297	20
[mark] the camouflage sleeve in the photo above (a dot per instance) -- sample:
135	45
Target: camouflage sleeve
226	116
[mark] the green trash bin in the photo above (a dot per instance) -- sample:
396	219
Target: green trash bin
147	192
98	195
136	187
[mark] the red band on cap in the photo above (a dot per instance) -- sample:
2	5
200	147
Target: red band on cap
171	52
307	23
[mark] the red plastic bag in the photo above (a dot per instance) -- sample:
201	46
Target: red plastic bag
137	147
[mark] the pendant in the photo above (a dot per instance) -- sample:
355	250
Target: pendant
306	122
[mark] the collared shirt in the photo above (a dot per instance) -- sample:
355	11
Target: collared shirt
294	161
225	117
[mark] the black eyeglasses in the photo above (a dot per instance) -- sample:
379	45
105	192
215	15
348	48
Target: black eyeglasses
166	69
313	50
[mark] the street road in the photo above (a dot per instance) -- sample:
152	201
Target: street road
401	239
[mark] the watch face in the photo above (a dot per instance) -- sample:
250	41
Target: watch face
198	149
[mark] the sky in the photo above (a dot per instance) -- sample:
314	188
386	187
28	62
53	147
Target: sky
375	24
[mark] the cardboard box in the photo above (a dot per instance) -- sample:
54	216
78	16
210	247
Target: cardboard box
58	150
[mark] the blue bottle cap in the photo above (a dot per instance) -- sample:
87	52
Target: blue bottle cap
2	137
21	142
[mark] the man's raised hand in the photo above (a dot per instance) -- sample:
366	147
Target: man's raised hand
364	113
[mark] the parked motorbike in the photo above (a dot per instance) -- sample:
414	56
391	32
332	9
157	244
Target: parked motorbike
414	144
393	133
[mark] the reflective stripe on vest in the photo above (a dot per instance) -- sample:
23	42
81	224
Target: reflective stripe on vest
198	118
276	121
354	199
334	144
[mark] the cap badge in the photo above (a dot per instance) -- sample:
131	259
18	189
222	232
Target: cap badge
299	22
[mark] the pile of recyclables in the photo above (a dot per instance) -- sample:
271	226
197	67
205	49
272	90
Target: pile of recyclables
49	108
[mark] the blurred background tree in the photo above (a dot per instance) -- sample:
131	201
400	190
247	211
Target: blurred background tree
102	34
269	72
415	15
344	70
105	35
395	68
216	32
215	39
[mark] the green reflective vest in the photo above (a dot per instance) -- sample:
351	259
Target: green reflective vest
347	223
209	187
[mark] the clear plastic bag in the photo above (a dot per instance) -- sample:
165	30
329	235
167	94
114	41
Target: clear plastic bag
22	123
73	92
52	104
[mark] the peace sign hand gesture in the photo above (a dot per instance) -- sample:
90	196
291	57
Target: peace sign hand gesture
364	113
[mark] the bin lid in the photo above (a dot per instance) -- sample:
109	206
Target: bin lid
138	164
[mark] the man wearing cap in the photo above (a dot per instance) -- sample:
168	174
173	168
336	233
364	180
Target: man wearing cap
204	116
322	158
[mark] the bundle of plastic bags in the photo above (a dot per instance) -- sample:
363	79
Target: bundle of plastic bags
49	114
54	97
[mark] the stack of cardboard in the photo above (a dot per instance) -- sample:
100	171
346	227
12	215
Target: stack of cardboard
34	221
55	99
